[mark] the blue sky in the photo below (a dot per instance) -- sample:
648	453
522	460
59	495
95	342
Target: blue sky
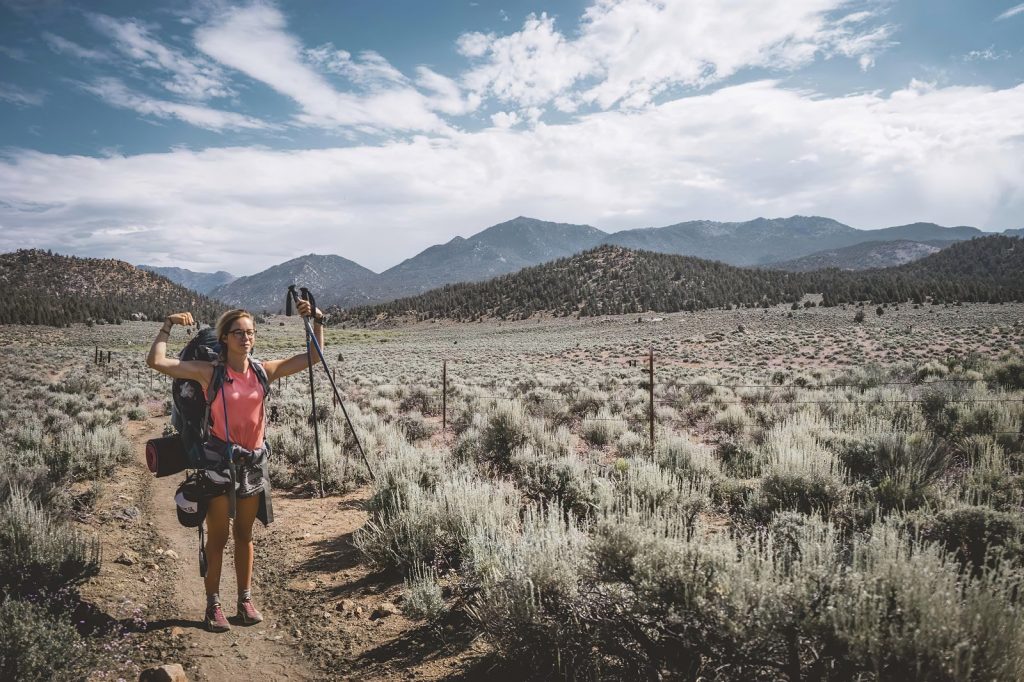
217	135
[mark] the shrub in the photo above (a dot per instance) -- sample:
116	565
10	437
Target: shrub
423	598
37	642
1008	374
563	480
976	535
39	552
602	429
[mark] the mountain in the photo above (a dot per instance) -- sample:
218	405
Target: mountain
615	280
753	242
500	249
332	279
863	256
203	282
41	287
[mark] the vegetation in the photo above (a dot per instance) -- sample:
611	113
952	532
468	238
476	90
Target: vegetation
610	280
43	288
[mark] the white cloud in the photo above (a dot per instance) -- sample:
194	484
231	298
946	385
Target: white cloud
1012	12
116	94
20	96
254	40
952	155
193	78
62	45
627	52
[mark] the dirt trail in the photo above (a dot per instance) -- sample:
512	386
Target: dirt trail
262	651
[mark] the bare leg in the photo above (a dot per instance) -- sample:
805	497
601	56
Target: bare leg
216	539
245	515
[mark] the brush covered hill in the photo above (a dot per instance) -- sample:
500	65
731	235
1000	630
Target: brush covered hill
203	282
610	280
40	287
332	279
863	256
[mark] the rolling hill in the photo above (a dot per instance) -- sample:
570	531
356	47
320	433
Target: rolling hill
863	256
202	282
615	280
41	287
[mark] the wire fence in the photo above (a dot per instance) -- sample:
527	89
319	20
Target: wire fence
768	394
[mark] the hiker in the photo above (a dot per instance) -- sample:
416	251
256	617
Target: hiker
242	391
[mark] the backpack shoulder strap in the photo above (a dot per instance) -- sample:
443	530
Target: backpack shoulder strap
261	374
215	385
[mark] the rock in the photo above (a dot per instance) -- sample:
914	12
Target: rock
345	605
128	558
177	631
171	554
358	611
384	610
171	672
153	566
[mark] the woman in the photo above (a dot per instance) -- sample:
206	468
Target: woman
243	402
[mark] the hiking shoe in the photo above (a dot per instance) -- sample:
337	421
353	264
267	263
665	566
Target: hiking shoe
216	621
248	613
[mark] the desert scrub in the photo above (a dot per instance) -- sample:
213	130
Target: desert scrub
687	459
528	584
433	526
38	551
423	594
562	480
976	535
38	642
601	429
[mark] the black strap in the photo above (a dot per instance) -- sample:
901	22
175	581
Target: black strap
231	458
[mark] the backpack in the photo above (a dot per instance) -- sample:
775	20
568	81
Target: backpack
190	413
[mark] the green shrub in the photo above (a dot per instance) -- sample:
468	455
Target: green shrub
423	598
563	480
37	642
38	552
1008	374
976	535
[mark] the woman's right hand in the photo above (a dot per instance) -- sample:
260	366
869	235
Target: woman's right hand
184	319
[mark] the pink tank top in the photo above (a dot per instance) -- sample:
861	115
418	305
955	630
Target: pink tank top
245	409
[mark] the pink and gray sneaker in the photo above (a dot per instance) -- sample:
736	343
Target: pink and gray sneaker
248	614
216	621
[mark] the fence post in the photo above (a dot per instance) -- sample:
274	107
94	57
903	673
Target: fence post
444	396
650	388
96	356
334	396
108	357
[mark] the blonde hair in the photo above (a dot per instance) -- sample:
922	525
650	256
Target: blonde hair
224	324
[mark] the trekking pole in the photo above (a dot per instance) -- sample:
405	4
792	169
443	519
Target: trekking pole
293	295
307	296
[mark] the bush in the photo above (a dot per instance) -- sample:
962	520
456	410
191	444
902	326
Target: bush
37	552
37	643
1008	374
978	536
423	598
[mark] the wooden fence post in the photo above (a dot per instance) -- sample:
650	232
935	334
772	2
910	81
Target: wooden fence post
650	360
444	396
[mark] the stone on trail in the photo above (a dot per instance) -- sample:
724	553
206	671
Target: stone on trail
384	610
128	558
171	672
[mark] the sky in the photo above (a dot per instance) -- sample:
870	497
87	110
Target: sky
214	135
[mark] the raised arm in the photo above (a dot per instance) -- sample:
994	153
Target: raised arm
173	367
277	369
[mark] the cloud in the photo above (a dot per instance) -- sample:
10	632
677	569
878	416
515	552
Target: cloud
254	40
15	53
117	94
62	45
193	78
1012	12
627	52
20	96
952	155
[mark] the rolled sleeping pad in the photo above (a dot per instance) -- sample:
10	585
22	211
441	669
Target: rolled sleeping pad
166	456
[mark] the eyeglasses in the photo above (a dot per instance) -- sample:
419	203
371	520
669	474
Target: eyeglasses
243	334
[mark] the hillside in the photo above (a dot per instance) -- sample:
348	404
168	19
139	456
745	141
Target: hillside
614	280
203	282
41	287
332	279
863	256
497	250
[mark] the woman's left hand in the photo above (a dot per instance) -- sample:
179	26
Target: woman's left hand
306	310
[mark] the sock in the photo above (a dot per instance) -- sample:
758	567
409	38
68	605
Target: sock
212	599
246	595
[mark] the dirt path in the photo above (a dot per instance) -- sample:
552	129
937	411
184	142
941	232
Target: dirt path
321	603
246	652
